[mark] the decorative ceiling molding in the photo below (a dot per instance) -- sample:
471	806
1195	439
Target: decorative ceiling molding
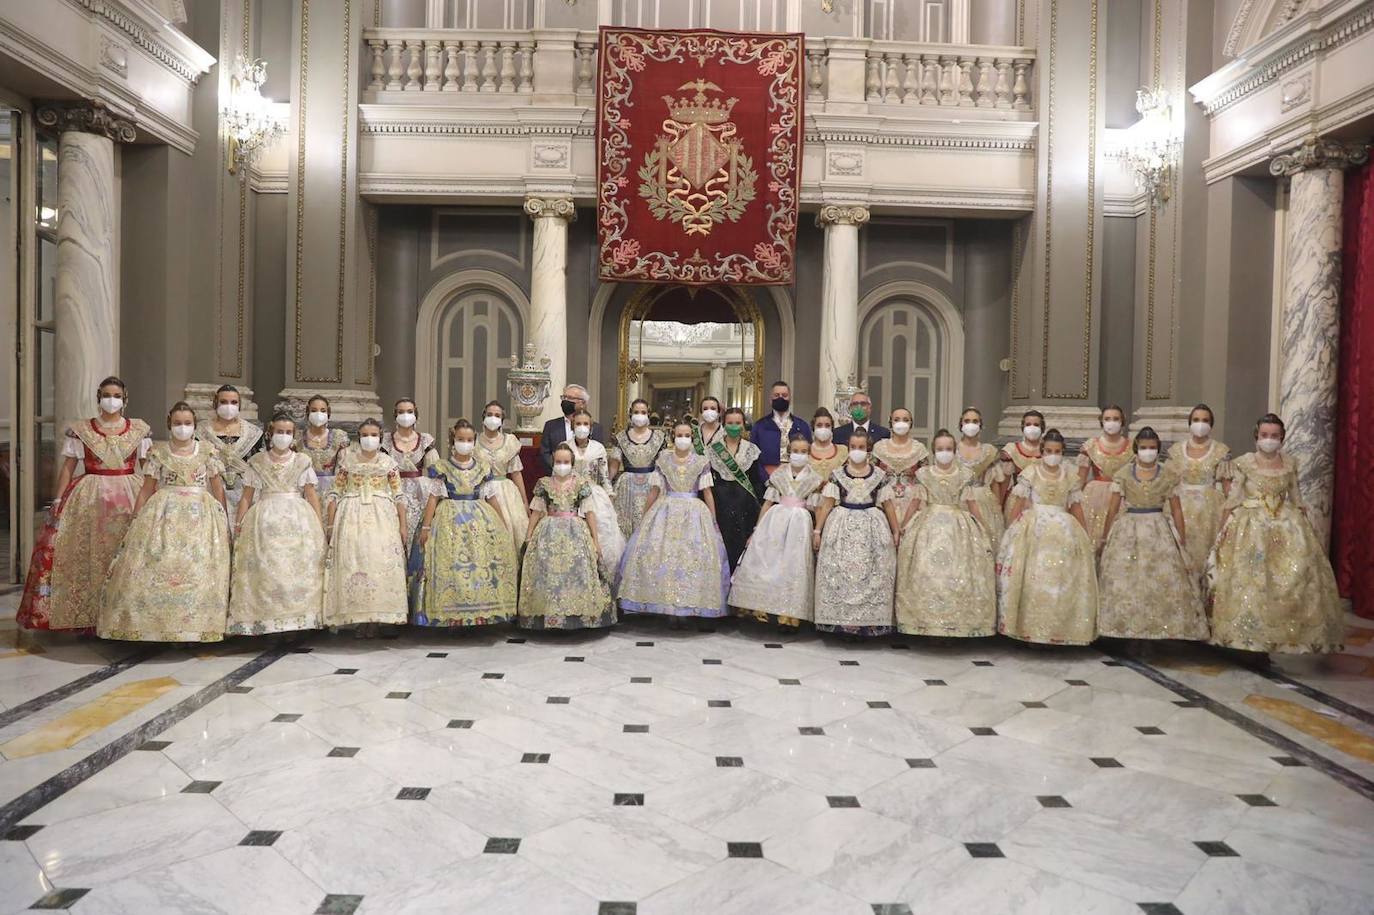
157	36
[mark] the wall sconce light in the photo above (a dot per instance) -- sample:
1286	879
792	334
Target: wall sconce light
1153	144
250	120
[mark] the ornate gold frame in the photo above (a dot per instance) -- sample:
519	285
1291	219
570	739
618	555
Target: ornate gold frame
638	308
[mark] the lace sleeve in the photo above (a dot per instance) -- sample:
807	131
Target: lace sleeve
1237	495
831	491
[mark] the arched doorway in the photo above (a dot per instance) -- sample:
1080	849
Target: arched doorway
911	354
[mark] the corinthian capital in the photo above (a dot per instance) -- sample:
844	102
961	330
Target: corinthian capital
560	207
87	117
833	214
1316	152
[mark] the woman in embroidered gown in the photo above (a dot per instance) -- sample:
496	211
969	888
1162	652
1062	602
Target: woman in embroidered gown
467	576
234	439
856	534
776	577
1146	590
632	461
413	452
501	450
945	580
675	563
732	459
88	517
321	444
1098	461
981	460
1017	456
1046	579
278	572
1272	588
590	461
365	565
170	580
561	586
898	457
1203	466
826	456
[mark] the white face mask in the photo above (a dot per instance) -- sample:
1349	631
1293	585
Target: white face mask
462	449
582	431
405	420
562	469
798	459
112	404
182	432
971	430
682	442
1111	426
369	442
1269	445
1200	429
943	457
1052	460
1147	455
901	427
319	418
281	440
710	416
1032	433
639	420
823	433
492	423
227	411
858	455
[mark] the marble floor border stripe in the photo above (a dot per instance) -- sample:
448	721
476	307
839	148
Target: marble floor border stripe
1311	692
38	703
36	798
1352	780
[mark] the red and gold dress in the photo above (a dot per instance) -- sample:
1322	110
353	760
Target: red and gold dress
1015	461
84	527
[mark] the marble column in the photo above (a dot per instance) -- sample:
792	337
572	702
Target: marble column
86	296
839	297
1311	314
548	329
716	385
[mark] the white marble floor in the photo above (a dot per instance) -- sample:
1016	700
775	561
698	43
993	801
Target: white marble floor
655	771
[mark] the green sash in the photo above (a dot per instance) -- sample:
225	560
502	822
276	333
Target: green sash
729	460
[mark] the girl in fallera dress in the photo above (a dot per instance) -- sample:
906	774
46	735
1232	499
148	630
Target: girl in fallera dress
989	478
732	459
89	515
170	580
1098	461
413	452
1017	456
364	567
857	531
1146	589
632	459
321	444
1272	587
775	579
826	456
946	585
590	462
899	457
561	585
675	563
234	439
502	451
468	573
278	571
1203	466
1046	579
709	429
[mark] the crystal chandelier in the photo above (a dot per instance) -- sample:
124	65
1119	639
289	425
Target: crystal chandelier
250	120
1153	144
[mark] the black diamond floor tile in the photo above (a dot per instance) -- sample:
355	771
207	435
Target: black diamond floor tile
984	850
346	670
493	676
501	846
921	763
339	904
628	800
809	731
200	787
635	729
1217	850
644	644
729	762
261	837
936	683
1159	908
536	758
344	752
849	663
641	679
982	664
984	732
1033	704
714	662
19	833
879	703
1077	682
1256	800
574	659
1052	800
1106	762
891	908
437	654
617	908
1150	730
412	794
1288	761
842	800
744	849
772	644
460	723
516	641
400	694
287	716
558	700
718	703
60	899
789	681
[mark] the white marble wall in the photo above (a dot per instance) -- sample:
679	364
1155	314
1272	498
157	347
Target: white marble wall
548	325
839	297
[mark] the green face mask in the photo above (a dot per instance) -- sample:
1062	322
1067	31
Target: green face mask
859	413
733	429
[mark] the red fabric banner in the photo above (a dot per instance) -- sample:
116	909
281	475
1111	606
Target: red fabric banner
699	139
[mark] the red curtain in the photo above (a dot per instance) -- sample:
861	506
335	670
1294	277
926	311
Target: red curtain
1352	527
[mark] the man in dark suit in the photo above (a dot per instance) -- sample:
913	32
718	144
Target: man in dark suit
560	430
861	413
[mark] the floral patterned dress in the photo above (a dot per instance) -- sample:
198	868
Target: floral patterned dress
1014	461
946	585
675	562
1046	576
777	574
467	576
635	480
856	568
233	452
504	458
986	470
84	527
411	465
1146	589
1272	588
278	576
1200	495
561	586
364	567
900	466
591	461
170	580
1102	462
323	457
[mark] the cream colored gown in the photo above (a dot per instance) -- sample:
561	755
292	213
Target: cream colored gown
900	467
987	470
365	569
1014	462
1200	495
1102	463
945	580
776	574
504	459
